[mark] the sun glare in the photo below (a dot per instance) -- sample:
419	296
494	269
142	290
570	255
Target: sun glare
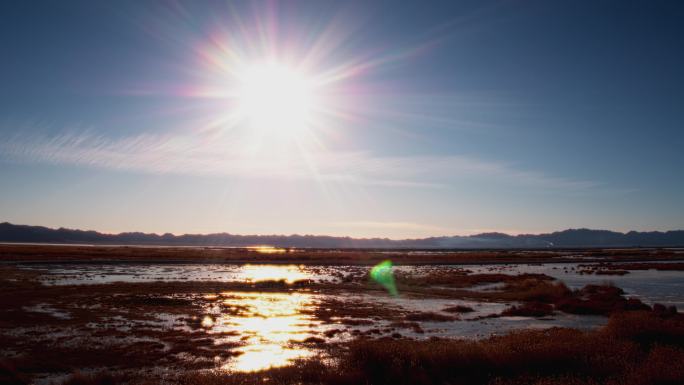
277	107
275	99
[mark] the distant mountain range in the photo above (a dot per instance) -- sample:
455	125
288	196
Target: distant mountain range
560	239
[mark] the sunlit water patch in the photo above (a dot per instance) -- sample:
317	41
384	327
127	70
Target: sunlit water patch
266	324
84	274
260	273
270	249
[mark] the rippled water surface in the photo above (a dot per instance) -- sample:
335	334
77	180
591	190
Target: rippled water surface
267	324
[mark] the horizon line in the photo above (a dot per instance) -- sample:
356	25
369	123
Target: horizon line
102	232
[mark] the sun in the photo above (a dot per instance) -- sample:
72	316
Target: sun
276	99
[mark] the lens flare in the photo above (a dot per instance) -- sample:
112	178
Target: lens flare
382	274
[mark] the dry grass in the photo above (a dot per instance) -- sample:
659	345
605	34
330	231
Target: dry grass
457	278
123	254
458	309
529	309
599	299
632	349
97	379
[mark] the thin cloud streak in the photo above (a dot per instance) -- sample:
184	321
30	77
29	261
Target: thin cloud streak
205	156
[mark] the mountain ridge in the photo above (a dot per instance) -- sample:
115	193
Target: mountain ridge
567	238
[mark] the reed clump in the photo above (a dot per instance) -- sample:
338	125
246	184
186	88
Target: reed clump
641	347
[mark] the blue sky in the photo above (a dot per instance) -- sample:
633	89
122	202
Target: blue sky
451	117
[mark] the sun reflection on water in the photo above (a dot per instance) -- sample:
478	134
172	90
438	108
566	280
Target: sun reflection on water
207	322
260	357
257	273
268	249
267	324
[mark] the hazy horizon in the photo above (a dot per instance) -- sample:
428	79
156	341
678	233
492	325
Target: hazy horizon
336	235
362	119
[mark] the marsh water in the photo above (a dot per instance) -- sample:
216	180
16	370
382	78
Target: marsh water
268	326
651	286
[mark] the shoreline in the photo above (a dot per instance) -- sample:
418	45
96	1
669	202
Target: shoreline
106	255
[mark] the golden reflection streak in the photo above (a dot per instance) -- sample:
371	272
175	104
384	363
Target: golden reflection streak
268	249
207	322
266	325
258	273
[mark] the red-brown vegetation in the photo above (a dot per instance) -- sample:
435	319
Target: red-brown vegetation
96	379
458	309
113	254
617	268
430	317
529	309
626	352
599	299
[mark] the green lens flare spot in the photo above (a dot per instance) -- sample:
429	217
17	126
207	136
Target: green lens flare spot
382	274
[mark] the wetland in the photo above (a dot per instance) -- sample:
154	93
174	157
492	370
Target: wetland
97	315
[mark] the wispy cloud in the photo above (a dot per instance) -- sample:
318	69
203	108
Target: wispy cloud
200	154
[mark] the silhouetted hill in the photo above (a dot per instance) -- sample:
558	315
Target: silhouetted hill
567	238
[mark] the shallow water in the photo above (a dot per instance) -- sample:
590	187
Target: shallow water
271	328
267	325
651	286
77	274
